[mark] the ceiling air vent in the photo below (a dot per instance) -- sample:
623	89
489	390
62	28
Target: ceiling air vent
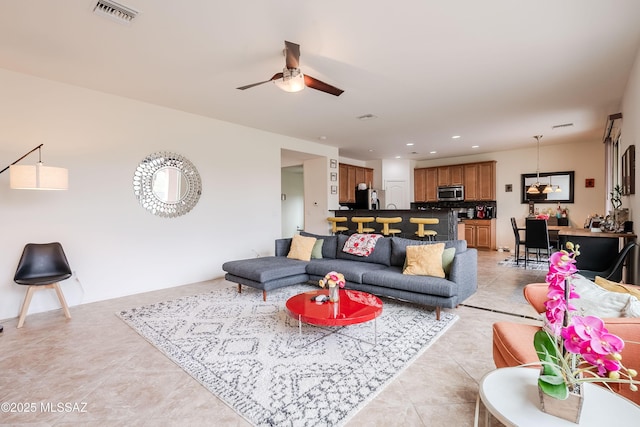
115	11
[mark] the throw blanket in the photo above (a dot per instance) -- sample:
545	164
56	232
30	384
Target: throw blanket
361	244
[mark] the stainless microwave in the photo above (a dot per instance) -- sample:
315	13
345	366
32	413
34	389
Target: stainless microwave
451	193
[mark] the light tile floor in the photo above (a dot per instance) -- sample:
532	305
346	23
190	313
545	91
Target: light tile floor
108	375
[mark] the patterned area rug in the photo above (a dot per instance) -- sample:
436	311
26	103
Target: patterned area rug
532	264
252	355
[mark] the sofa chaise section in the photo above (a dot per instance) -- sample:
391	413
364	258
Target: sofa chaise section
266	273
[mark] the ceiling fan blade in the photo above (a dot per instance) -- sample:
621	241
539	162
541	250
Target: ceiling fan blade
275	77
321	86
292	54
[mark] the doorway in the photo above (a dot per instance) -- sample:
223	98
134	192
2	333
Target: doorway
292	200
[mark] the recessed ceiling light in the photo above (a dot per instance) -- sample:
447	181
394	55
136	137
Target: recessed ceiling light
455	137
398	157
475	146
409	144
322	138
432	152
371	150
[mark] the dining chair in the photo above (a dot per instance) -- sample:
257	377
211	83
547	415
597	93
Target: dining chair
519	241
613	271
42	266
536	237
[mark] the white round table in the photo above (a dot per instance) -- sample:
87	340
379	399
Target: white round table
511	395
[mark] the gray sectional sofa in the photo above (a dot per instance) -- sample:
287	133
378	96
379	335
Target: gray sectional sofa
380	273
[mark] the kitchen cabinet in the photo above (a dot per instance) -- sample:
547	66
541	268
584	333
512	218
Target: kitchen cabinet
450	175
480	233
480	181
431	185
350	177
425	184
443	175
487	181
456	175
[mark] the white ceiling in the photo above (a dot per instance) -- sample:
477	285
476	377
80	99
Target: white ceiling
495	72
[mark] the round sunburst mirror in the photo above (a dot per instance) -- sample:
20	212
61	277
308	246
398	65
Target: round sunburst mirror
167	184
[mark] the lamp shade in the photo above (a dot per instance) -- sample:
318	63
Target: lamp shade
38	177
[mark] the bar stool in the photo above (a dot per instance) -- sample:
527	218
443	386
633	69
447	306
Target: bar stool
335	228
361	220
422	233
385	225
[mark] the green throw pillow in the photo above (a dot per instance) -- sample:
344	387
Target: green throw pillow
447	259
316	252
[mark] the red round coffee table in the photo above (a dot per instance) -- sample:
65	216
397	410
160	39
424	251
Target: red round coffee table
352	307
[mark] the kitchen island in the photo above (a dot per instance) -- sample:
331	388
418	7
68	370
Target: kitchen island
447	229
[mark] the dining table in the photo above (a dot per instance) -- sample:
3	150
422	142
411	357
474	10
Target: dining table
567	233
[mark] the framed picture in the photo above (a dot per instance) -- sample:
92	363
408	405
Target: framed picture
334	189
589	183
334	176
629	171
333	163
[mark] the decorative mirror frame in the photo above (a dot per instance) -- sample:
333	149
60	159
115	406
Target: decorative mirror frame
143	184
567	195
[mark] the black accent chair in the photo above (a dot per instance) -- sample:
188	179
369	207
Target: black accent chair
519	241
42	266
536	237
614	271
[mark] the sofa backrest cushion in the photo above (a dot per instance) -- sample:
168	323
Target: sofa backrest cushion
399	247
329	246
380	255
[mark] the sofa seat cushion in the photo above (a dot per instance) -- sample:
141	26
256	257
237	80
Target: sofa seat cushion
265	269
392	277
352	270
513	344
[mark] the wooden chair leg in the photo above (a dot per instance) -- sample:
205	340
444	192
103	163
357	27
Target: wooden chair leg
25	305
63	302
239	288
264	296
437	313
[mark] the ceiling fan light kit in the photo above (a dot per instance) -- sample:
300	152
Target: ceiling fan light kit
292	80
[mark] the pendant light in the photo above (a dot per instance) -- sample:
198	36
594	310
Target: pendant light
535	188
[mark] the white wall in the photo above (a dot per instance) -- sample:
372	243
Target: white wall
630	135
115	246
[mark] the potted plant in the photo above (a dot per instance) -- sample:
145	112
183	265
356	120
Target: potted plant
574	349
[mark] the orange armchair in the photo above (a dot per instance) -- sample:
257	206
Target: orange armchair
513	342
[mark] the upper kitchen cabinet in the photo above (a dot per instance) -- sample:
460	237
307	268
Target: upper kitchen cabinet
450	175
350	177
479	180
425	184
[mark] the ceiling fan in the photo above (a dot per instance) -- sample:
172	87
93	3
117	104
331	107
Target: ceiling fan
291	78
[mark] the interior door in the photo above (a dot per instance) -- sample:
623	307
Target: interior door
395	195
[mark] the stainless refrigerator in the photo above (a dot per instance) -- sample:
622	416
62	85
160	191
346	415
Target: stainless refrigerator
370	198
